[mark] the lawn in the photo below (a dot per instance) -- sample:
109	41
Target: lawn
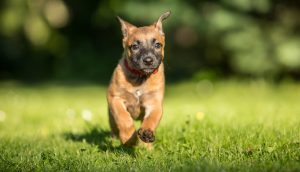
207	126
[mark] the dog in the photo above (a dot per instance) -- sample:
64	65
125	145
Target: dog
136	90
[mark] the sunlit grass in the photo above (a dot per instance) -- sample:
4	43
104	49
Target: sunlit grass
232	125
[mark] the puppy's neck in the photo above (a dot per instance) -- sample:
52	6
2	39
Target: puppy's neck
132	75
132	70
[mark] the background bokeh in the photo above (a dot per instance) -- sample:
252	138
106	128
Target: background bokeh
44	40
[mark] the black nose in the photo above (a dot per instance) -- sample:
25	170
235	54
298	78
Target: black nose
148	61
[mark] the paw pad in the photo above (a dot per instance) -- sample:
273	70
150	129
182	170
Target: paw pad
146	135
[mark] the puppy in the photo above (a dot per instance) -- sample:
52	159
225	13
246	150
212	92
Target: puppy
136	89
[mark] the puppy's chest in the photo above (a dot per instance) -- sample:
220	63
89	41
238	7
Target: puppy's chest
133	102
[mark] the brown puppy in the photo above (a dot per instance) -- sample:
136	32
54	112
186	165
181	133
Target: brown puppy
136	89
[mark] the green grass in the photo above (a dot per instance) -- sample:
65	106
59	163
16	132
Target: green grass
247	126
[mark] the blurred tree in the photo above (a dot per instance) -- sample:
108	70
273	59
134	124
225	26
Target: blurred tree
56	39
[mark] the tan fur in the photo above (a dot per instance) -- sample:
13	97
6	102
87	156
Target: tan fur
130	99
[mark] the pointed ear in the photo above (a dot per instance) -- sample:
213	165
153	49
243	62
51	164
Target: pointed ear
158	24
126	27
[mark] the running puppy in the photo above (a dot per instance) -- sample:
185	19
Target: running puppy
136	89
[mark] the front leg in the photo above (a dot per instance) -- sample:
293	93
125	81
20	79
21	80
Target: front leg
122	121
153	114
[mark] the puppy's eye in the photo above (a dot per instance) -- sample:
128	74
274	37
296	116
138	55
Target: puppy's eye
134	47
157	45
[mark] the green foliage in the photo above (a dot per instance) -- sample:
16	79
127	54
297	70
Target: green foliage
222	126
72	39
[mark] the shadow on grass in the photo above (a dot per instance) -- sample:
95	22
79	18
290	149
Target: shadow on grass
102	138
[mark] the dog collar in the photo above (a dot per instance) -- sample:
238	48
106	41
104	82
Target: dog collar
134	71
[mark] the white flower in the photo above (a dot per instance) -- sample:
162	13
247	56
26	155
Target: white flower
2	116
86	114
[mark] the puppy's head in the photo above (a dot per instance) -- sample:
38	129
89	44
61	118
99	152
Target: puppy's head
144	46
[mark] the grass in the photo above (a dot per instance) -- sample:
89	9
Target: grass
222	126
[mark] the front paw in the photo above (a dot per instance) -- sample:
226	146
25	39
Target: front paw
146	135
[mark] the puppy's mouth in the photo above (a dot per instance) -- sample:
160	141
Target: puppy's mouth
148	70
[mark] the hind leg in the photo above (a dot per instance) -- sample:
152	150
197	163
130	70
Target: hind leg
113	126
